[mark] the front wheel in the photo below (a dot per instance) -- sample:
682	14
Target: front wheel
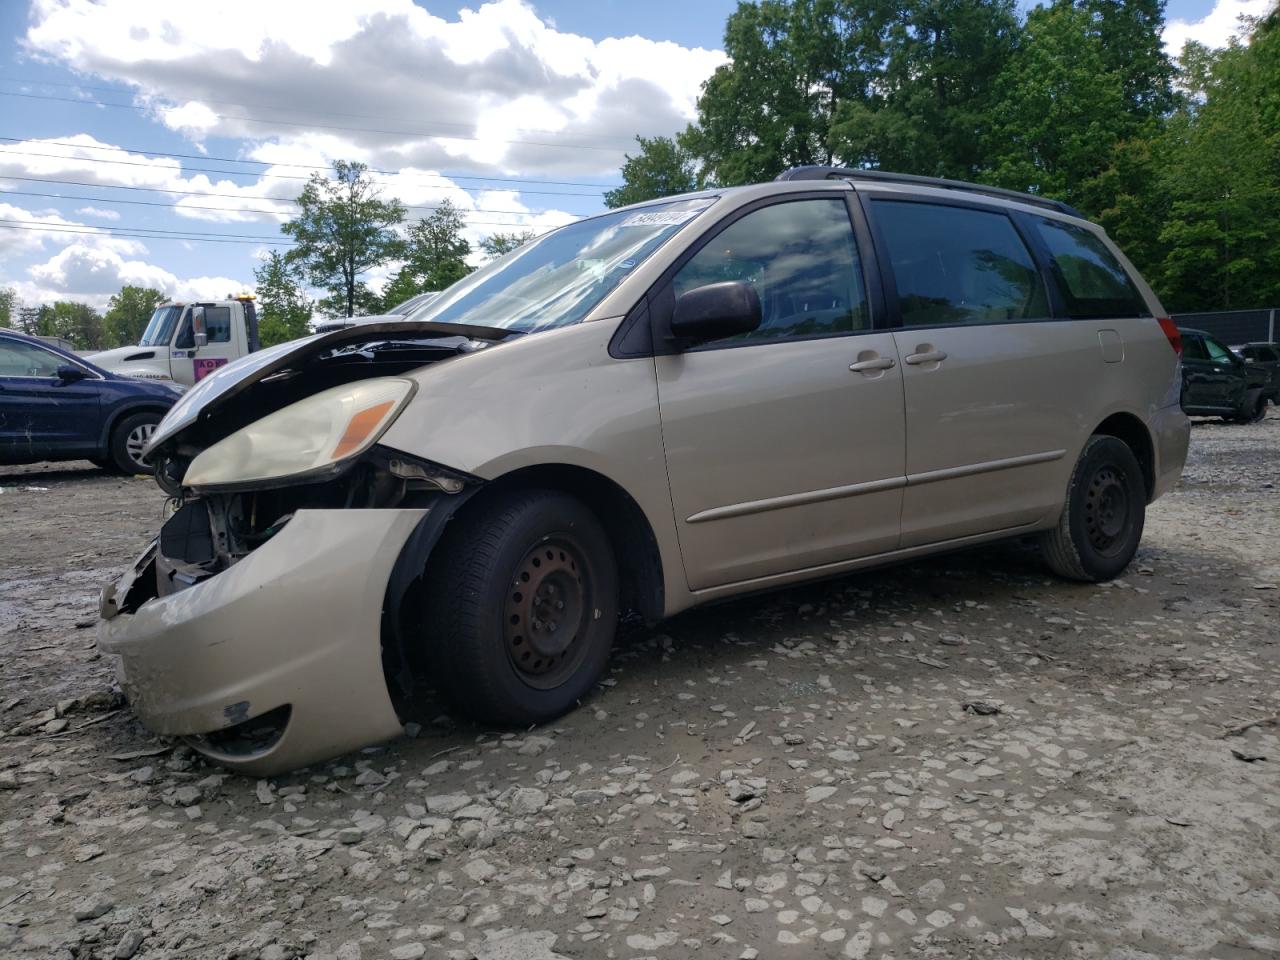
1102	519
129	439
521	606
1251	411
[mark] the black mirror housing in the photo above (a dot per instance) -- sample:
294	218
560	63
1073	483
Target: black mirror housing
70	373
716	311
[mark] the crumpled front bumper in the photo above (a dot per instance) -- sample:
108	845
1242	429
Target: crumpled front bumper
296	623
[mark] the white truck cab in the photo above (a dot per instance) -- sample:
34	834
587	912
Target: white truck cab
185	342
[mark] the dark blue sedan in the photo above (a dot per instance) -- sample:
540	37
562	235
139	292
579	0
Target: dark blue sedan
57	406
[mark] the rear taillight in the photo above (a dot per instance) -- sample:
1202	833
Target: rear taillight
1171	331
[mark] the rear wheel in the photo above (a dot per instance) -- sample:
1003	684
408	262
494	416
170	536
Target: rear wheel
129	439
521	607
1101	523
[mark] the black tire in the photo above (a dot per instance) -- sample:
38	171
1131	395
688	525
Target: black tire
1102	519
126	438
498	643
1251	411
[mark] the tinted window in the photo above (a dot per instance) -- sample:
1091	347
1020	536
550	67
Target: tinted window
801	258
23	360
955	265
1193	348
1092	280
217	323
1216	350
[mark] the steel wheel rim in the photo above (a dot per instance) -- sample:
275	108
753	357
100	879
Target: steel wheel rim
546	612
137	441
1106	510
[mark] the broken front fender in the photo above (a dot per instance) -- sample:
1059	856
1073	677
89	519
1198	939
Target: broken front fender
291	631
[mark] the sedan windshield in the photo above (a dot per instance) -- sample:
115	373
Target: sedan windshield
558	279
160	328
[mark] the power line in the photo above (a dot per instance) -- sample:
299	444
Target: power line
107	232
253	173
599	188
266	106
157	203
318	126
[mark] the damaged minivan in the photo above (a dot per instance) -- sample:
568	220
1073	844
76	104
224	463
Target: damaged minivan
653	408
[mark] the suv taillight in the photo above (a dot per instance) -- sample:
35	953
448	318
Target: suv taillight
1171	331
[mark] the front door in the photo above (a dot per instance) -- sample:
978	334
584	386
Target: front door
190	363
40	413
1208	380
784	446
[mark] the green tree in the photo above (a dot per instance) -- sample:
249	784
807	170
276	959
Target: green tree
344	229
77	322
1220	173
8	306
128	312
435	256
284	311
928	108
498	244
662	168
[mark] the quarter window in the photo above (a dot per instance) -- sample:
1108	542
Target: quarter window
801	258
1093	282
24	360
956	265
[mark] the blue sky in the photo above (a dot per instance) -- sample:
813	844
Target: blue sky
519	112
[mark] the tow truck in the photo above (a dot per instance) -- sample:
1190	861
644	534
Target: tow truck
185	342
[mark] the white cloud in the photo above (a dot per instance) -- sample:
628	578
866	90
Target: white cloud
403	83
1217	27
95	212
25	231
91	274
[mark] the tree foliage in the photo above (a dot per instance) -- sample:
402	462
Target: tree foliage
435	256
128	312
8	307
499	244
661	168
1076	100
284	310
77	322
344	229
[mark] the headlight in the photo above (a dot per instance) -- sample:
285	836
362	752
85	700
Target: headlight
311	436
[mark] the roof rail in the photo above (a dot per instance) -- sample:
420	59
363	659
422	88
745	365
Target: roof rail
884	176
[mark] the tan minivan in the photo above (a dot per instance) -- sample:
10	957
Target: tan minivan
662	405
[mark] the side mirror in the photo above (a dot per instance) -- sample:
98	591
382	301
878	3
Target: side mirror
70	373
199	332
716	311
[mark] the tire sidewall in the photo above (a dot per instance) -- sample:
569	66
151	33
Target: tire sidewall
119	439
547	518
1101	452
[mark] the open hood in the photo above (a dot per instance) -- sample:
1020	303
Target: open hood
219	393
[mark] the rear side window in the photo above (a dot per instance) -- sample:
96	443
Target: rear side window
1093	282
957	265
801	258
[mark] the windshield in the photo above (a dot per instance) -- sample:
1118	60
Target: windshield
160	328
557	279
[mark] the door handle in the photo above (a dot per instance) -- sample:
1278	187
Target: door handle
933	356
879	363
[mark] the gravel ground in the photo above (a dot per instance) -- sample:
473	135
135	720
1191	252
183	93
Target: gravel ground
954	758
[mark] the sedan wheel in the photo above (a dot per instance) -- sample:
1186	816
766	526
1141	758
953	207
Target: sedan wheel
128	441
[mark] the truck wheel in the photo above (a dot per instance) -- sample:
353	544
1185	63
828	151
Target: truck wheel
1101	523
521	606
129	438
1252	410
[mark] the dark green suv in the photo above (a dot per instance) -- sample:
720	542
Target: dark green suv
1218	382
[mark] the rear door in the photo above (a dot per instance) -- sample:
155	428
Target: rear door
784	446
991	378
